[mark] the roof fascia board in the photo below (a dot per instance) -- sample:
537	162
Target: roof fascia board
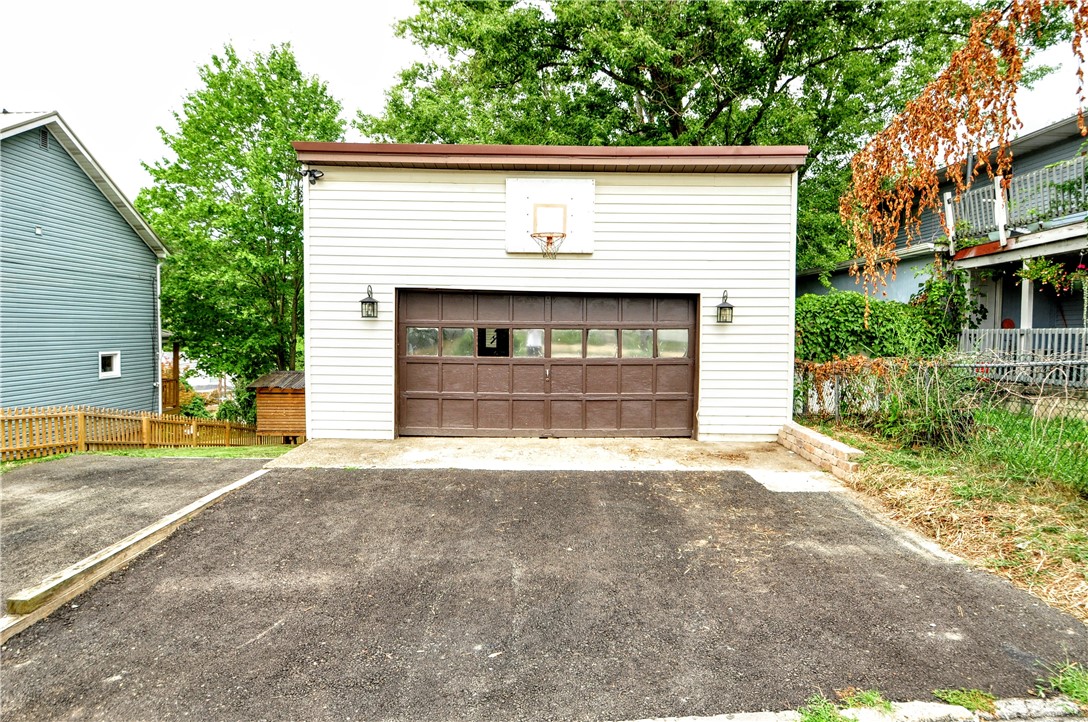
644	159
915	250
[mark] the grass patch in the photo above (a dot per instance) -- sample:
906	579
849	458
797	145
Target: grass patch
208	452
979	504
973	699
6	466
1053	449
1071	679
871	698
820	709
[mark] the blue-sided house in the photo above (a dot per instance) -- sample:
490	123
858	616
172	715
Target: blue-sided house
1038	215
79	276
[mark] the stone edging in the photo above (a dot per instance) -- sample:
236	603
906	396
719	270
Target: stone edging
823	451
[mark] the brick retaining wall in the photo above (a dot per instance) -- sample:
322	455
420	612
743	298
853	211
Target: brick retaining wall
823	451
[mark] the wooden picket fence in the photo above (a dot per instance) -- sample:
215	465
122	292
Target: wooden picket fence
31	432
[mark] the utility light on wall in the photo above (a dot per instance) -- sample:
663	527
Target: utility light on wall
369	305
725	309
312	173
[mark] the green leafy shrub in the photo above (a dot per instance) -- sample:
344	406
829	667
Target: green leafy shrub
229	410
196	408
945	304
835	324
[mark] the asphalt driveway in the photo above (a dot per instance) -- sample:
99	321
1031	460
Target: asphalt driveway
489	595
54	514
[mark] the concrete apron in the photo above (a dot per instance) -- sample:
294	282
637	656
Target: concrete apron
768	463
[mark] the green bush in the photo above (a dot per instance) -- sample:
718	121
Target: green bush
196	409
833	325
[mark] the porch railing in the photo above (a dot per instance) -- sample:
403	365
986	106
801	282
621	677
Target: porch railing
976	210
1052	192
1048	193
1029	355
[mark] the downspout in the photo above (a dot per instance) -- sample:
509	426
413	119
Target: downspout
157	343
305	302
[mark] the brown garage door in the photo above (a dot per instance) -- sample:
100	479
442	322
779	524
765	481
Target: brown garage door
491	364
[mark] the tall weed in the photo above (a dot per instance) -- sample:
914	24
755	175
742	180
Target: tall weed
931	403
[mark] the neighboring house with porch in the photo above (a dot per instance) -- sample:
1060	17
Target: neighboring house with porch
469	327
1041	214
79	276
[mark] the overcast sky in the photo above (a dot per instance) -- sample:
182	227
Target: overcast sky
115	70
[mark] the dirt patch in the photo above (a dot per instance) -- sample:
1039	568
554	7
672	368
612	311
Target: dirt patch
477	595
541	454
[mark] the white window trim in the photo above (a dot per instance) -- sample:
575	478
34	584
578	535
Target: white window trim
116	373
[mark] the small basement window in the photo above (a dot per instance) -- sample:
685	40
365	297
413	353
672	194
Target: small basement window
109	364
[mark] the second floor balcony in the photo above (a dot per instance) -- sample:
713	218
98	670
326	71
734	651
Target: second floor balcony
1050	197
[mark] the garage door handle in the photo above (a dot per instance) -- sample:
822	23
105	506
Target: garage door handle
547	374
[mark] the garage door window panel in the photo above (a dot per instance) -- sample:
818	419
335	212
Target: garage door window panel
672	343
601	343
493	343
422	341
566	343
457	341
528	343
637	343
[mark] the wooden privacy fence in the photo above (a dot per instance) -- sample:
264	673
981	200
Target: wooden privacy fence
28	433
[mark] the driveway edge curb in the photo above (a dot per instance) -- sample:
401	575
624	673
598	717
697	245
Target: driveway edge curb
33	604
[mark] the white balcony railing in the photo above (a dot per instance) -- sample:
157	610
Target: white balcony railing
1056	191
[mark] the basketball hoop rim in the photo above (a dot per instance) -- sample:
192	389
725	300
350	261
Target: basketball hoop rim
557	236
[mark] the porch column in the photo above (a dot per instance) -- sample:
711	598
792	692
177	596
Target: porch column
1027	303
1027	311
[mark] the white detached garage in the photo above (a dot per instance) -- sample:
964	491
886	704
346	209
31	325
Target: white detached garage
548	291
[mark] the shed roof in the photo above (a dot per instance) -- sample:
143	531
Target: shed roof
12	124
624	159
280	380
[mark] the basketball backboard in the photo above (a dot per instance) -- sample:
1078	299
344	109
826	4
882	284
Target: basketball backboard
549	205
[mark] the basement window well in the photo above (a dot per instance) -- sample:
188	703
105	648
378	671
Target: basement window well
109	364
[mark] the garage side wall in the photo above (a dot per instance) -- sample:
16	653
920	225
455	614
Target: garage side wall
654	233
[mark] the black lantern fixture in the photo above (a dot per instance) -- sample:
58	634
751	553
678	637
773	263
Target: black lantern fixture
725	309
369	305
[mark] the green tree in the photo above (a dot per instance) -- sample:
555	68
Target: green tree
228	202
711	72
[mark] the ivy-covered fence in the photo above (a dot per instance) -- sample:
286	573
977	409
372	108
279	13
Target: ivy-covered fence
889	393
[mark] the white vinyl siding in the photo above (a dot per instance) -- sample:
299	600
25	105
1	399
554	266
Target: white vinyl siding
654	233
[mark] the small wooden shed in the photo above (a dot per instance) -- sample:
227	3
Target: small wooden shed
281	405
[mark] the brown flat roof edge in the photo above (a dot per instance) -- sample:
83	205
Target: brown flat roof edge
644	158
